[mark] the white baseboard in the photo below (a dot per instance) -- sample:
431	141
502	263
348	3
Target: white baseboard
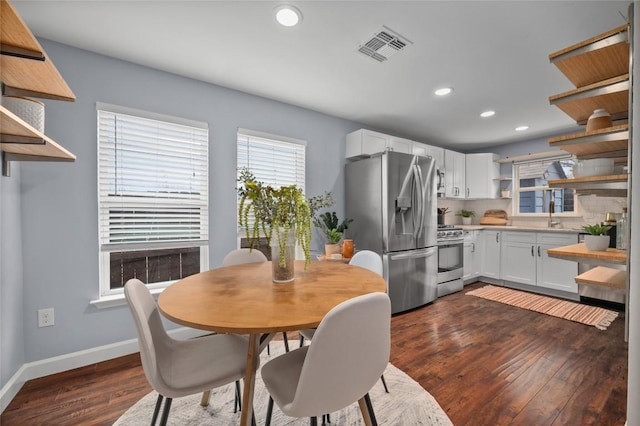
58	364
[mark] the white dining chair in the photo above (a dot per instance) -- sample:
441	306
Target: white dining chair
366	259
177	368
351	347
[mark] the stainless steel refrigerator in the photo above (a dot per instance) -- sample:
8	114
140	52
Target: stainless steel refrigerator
391	198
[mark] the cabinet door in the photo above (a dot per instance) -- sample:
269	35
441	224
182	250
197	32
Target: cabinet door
418	148
468	260
519	262
399	144
481	174
454	174
556	273
476	260
491	254
518	257
363	143
438	155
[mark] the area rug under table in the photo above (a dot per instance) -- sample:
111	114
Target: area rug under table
407	404
590	315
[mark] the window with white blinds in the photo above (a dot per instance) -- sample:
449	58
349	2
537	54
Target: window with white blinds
153	195
274	160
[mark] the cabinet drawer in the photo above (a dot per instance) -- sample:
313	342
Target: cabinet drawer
519	237
557	239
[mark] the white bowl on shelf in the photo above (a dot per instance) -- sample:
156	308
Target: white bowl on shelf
594	167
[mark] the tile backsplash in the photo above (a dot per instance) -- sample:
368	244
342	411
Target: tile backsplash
591	209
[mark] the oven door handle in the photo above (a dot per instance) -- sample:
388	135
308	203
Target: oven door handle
412	254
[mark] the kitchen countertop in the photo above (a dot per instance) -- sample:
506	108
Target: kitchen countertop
520	228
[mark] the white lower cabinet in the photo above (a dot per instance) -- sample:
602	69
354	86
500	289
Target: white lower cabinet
472	256
491	254
553	273
524	260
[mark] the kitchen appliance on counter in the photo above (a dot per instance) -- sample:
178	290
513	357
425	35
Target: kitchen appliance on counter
450	259
391	198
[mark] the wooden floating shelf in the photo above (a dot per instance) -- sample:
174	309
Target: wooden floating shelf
20	138
611	94
609	142
596	59
605	277
26	69
606	186
580	253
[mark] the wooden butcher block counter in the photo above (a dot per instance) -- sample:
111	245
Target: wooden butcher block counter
580	253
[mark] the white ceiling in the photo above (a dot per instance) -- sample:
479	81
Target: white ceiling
494	54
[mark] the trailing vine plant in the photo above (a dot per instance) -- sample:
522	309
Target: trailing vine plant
272	208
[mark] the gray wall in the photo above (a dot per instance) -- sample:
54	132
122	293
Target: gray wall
12	354
59	200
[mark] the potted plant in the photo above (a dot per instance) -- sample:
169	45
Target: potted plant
597	240
466	215
264	209
332	229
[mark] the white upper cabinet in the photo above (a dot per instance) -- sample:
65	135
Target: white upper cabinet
482	176
364	143
455	182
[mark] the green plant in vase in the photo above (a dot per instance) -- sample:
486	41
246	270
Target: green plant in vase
264	209
333	230
596	229
597	240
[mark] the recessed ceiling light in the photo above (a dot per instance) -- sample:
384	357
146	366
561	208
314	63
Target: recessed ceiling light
486	114
287	15
444	91
521	128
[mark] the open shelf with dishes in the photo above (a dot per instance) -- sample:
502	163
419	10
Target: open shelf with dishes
599	69
26	71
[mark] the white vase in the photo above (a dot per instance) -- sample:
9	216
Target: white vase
597	242
466	220
283	255
28	109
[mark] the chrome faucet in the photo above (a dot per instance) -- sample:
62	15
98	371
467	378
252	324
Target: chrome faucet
552	210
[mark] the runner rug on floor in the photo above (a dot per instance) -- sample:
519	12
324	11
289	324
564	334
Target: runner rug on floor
590	315
406	404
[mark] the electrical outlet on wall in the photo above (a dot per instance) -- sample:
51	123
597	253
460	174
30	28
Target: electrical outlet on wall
45	317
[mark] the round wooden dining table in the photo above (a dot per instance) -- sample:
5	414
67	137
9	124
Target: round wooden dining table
243	299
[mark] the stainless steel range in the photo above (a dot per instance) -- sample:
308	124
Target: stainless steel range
450	259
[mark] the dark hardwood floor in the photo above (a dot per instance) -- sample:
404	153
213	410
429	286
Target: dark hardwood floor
485	363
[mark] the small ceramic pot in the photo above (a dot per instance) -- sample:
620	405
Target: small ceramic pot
600	119
466	220
596	242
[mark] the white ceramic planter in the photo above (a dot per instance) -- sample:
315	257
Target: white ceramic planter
597	242
466	220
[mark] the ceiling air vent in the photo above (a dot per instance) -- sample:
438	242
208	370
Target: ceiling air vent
383	44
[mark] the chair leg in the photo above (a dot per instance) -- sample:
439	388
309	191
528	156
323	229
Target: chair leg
205	398
301	341
165	412
286	341
156	410
269	412
384	383
237	404
364	410
372	415
268	350
314	421
326	418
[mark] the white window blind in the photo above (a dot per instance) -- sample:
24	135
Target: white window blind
152	180
274	160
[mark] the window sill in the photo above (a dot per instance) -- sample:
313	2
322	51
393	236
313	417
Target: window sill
115	300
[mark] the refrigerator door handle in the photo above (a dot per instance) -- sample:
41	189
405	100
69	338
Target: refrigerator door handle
425	252
417	175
